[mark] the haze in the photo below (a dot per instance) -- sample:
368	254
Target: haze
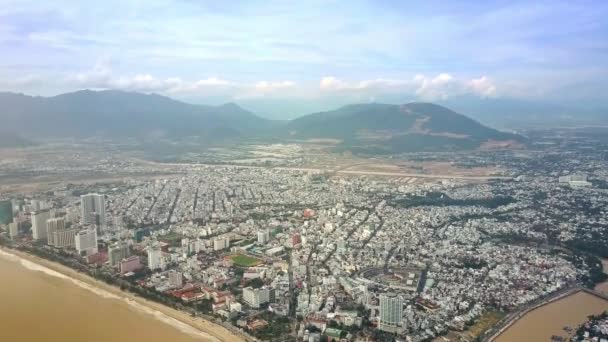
284	59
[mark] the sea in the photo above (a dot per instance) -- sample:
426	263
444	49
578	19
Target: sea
40	304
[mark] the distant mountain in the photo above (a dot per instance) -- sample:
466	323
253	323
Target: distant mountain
119	113
409	127
363	127
10	140
514	113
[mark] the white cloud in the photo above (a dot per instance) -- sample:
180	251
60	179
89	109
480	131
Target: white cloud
265	88
482	86
179	86
383	83
102	77
269	86
212	81
332	83
98	77
439	87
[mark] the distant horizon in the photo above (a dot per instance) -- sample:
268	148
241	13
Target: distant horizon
278	58
461	104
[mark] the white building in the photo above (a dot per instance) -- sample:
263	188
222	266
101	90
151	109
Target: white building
53	225
391	312
37	205
275	251
155	258
13	229
39	219
221	243
64	238
176	279
93	209
86	242
263	236
117	252
256	297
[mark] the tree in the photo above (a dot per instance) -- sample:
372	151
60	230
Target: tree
256	283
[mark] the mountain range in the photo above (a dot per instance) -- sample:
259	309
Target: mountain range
366	127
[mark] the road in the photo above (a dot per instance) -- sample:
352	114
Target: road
340	171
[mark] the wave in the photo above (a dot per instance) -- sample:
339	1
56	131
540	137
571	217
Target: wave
181	326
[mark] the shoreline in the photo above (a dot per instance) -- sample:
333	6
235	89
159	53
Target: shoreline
512	319
197	327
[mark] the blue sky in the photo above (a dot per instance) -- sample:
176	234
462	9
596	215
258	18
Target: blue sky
323	51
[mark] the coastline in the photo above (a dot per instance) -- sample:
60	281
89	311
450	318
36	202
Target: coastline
197	327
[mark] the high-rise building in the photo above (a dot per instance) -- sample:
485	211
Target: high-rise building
64	238
129	264
86	241
117	252
263	236
6	212
221	243
17	204
39	219
176	279
93	209
256	297
37	205
391	312
54	225
296	239
13	229
155	258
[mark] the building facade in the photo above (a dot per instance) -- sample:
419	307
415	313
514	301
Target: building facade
129	264
256	297
117	252
13	230
64	238
39	219
176	279
221	243
155	258
6	212
391	312
263	237
93	209
53	225
86	242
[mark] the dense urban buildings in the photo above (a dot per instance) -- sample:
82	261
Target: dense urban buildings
317	252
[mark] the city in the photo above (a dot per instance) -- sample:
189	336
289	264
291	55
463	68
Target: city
310	171
306	253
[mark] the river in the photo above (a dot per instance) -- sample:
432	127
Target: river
39	304
548	320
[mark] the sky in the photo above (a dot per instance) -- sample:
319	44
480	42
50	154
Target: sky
287	57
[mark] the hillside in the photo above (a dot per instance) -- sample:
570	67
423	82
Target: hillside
396	128
361	127
11	140
121	114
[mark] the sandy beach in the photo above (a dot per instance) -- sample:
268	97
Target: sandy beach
198	327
